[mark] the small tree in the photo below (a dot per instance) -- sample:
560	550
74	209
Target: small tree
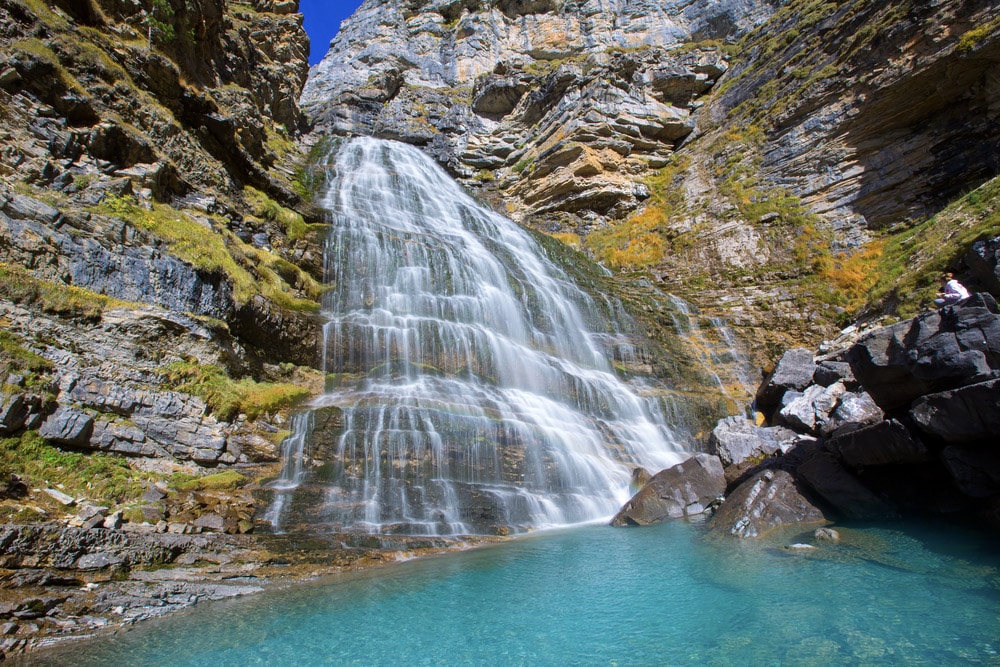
158	19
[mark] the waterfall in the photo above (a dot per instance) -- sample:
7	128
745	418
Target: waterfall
716	351
474	379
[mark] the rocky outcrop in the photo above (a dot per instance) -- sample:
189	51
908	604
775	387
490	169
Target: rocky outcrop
686	489
942	350
919	450
562	106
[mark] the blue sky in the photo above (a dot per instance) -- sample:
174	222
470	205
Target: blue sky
322	19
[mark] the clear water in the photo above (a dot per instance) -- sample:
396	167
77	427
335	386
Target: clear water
482	390
925	595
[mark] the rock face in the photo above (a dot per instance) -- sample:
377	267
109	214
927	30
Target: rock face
567	103
686	489
142	184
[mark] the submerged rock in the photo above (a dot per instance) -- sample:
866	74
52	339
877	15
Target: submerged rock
686	489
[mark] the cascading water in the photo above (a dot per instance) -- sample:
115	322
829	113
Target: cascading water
473	376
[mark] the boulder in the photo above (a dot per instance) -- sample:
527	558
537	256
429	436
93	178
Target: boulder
828	372
13	413
686	489
976	470
825	475
794	371
737	439
888	442
768	500
854	410
941	350
67	426
961	415
810	410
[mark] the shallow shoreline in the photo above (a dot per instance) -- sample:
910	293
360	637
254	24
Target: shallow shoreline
45	607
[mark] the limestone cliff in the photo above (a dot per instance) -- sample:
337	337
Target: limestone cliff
156	281
740	153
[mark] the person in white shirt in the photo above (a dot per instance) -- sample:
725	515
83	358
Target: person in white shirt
952	292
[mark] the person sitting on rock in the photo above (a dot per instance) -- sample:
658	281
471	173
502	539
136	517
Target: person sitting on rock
952	292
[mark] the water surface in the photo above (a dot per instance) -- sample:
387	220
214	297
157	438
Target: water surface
917	595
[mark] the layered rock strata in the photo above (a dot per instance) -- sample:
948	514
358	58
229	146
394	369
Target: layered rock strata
564	105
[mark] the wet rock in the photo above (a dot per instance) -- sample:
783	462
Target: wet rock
937	351
768	500
823	472
793	372
68	427
827	535
961	415
686	489
886	443
737	439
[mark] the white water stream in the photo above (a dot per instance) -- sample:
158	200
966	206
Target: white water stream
473	375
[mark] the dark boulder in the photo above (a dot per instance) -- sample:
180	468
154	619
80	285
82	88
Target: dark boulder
794	371
976	470
823	472
686	489
885	443
829	372
961	415
766	501
938	351
67	426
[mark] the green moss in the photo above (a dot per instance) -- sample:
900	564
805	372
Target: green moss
45	14
228	398
290	222
973	38
18	357
250	271
67	301
99	477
